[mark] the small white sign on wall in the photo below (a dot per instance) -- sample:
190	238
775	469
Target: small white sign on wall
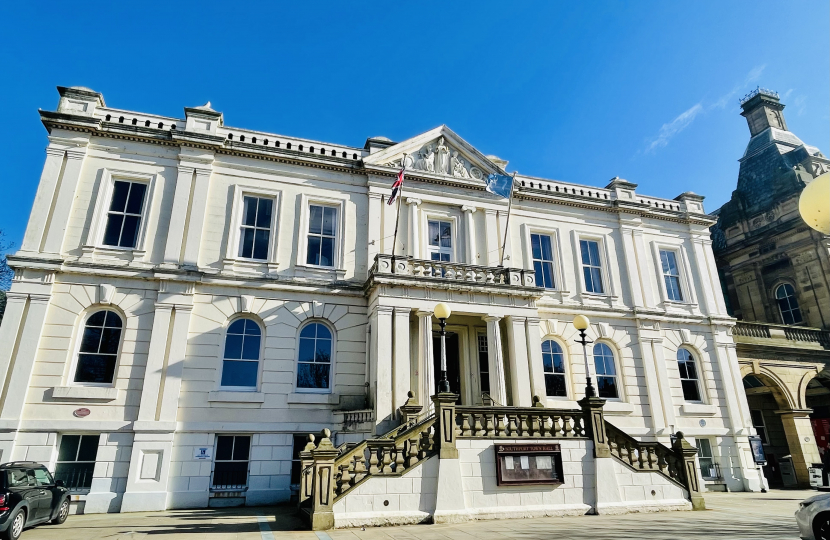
202	452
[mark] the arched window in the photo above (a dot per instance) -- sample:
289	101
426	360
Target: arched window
553	361
314	359
787	304
688	375
98	353
240	367
606	371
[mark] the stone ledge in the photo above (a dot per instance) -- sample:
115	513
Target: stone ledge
225	396
96	393
617	408
314	398
698	409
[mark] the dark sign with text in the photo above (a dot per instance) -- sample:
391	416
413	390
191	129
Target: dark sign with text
520	464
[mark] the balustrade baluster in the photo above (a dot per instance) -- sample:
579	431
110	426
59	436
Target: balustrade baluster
399	456
345	480
387	459
373	459
511	426
477	429
359	466
414	444
465	425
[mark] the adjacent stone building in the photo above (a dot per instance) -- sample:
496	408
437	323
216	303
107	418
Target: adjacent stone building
191	300
775	271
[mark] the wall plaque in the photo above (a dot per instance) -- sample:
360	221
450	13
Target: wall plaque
521	464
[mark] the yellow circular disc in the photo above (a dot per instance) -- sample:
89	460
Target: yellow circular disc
814	204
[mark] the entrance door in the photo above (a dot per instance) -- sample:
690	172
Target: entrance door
453	356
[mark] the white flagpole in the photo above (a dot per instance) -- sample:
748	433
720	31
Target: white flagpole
398	214
507	223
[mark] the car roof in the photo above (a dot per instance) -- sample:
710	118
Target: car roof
20	464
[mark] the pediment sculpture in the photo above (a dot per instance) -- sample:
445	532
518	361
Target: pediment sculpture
437	157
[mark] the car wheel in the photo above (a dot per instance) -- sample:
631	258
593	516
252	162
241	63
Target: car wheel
63	513
821	527
16	523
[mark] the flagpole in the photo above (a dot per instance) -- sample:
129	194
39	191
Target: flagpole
507	223
398	215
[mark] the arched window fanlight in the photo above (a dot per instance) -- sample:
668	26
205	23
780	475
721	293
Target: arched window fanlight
240	367
98	352
788	304
553	361
606	371
689	377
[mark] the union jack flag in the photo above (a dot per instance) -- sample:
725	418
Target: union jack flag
396	187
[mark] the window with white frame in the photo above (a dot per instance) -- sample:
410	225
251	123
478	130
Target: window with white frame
788	304
671	275
230	467
705	459
322	235
483	363
76	461
255	229
689	378
314	357
98	349
439	234
759	424
541	247
553	361
125	214
591	266
606	370
240	364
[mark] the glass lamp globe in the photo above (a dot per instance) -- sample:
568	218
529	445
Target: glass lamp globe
443	311
814	204
581	322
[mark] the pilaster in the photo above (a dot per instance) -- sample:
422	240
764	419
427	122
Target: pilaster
44	199
401	368
187	216
426	367
64	201
469	228
534	358
492	239
374	226
414	237
517	355
801	442
495	358
381	320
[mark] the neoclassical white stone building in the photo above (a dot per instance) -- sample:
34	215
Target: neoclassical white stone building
190	300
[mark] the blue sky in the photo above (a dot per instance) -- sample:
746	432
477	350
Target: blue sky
575	91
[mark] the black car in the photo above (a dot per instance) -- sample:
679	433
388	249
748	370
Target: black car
29	495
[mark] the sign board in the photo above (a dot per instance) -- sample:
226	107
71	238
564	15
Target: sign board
757	447
522	464
202	452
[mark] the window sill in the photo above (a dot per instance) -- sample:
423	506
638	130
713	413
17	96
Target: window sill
311	271
698	409
249	266
91	393
314	398
226	396
617	408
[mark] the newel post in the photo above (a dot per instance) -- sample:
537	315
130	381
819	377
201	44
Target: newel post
595	425
322	491
445	425
410	409
687	453
306	461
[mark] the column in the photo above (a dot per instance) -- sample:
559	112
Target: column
517	355
414	230
469	228
534	358
64	201
801	441
44	198
381	320
495	360
401	361
492	238
148	478
426	367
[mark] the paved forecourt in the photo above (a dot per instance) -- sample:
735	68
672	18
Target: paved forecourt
729	515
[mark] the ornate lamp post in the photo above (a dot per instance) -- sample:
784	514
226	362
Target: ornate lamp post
581	323
814	203
443	312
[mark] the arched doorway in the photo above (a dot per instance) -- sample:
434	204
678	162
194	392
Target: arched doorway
765	397
817	398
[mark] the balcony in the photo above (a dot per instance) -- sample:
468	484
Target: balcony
779	335
409	272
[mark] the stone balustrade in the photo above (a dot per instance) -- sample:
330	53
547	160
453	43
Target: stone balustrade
516	422
782	332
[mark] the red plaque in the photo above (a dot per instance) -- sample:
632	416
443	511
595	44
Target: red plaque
80	413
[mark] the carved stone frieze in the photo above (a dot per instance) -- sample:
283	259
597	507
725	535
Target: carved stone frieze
437	157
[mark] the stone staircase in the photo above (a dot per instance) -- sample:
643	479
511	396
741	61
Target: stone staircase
329	473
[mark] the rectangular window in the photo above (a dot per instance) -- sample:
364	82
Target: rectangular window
322	234
671	275
296	464
230	468
542	260
483	364
708	469
759	425
124	215
255	230
440	240
591	266
76	461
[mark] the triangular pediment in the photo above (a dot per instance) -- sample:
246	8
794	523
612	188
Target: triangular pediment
438	152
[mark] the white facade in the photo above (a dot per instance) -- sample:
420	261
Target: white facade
187	257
